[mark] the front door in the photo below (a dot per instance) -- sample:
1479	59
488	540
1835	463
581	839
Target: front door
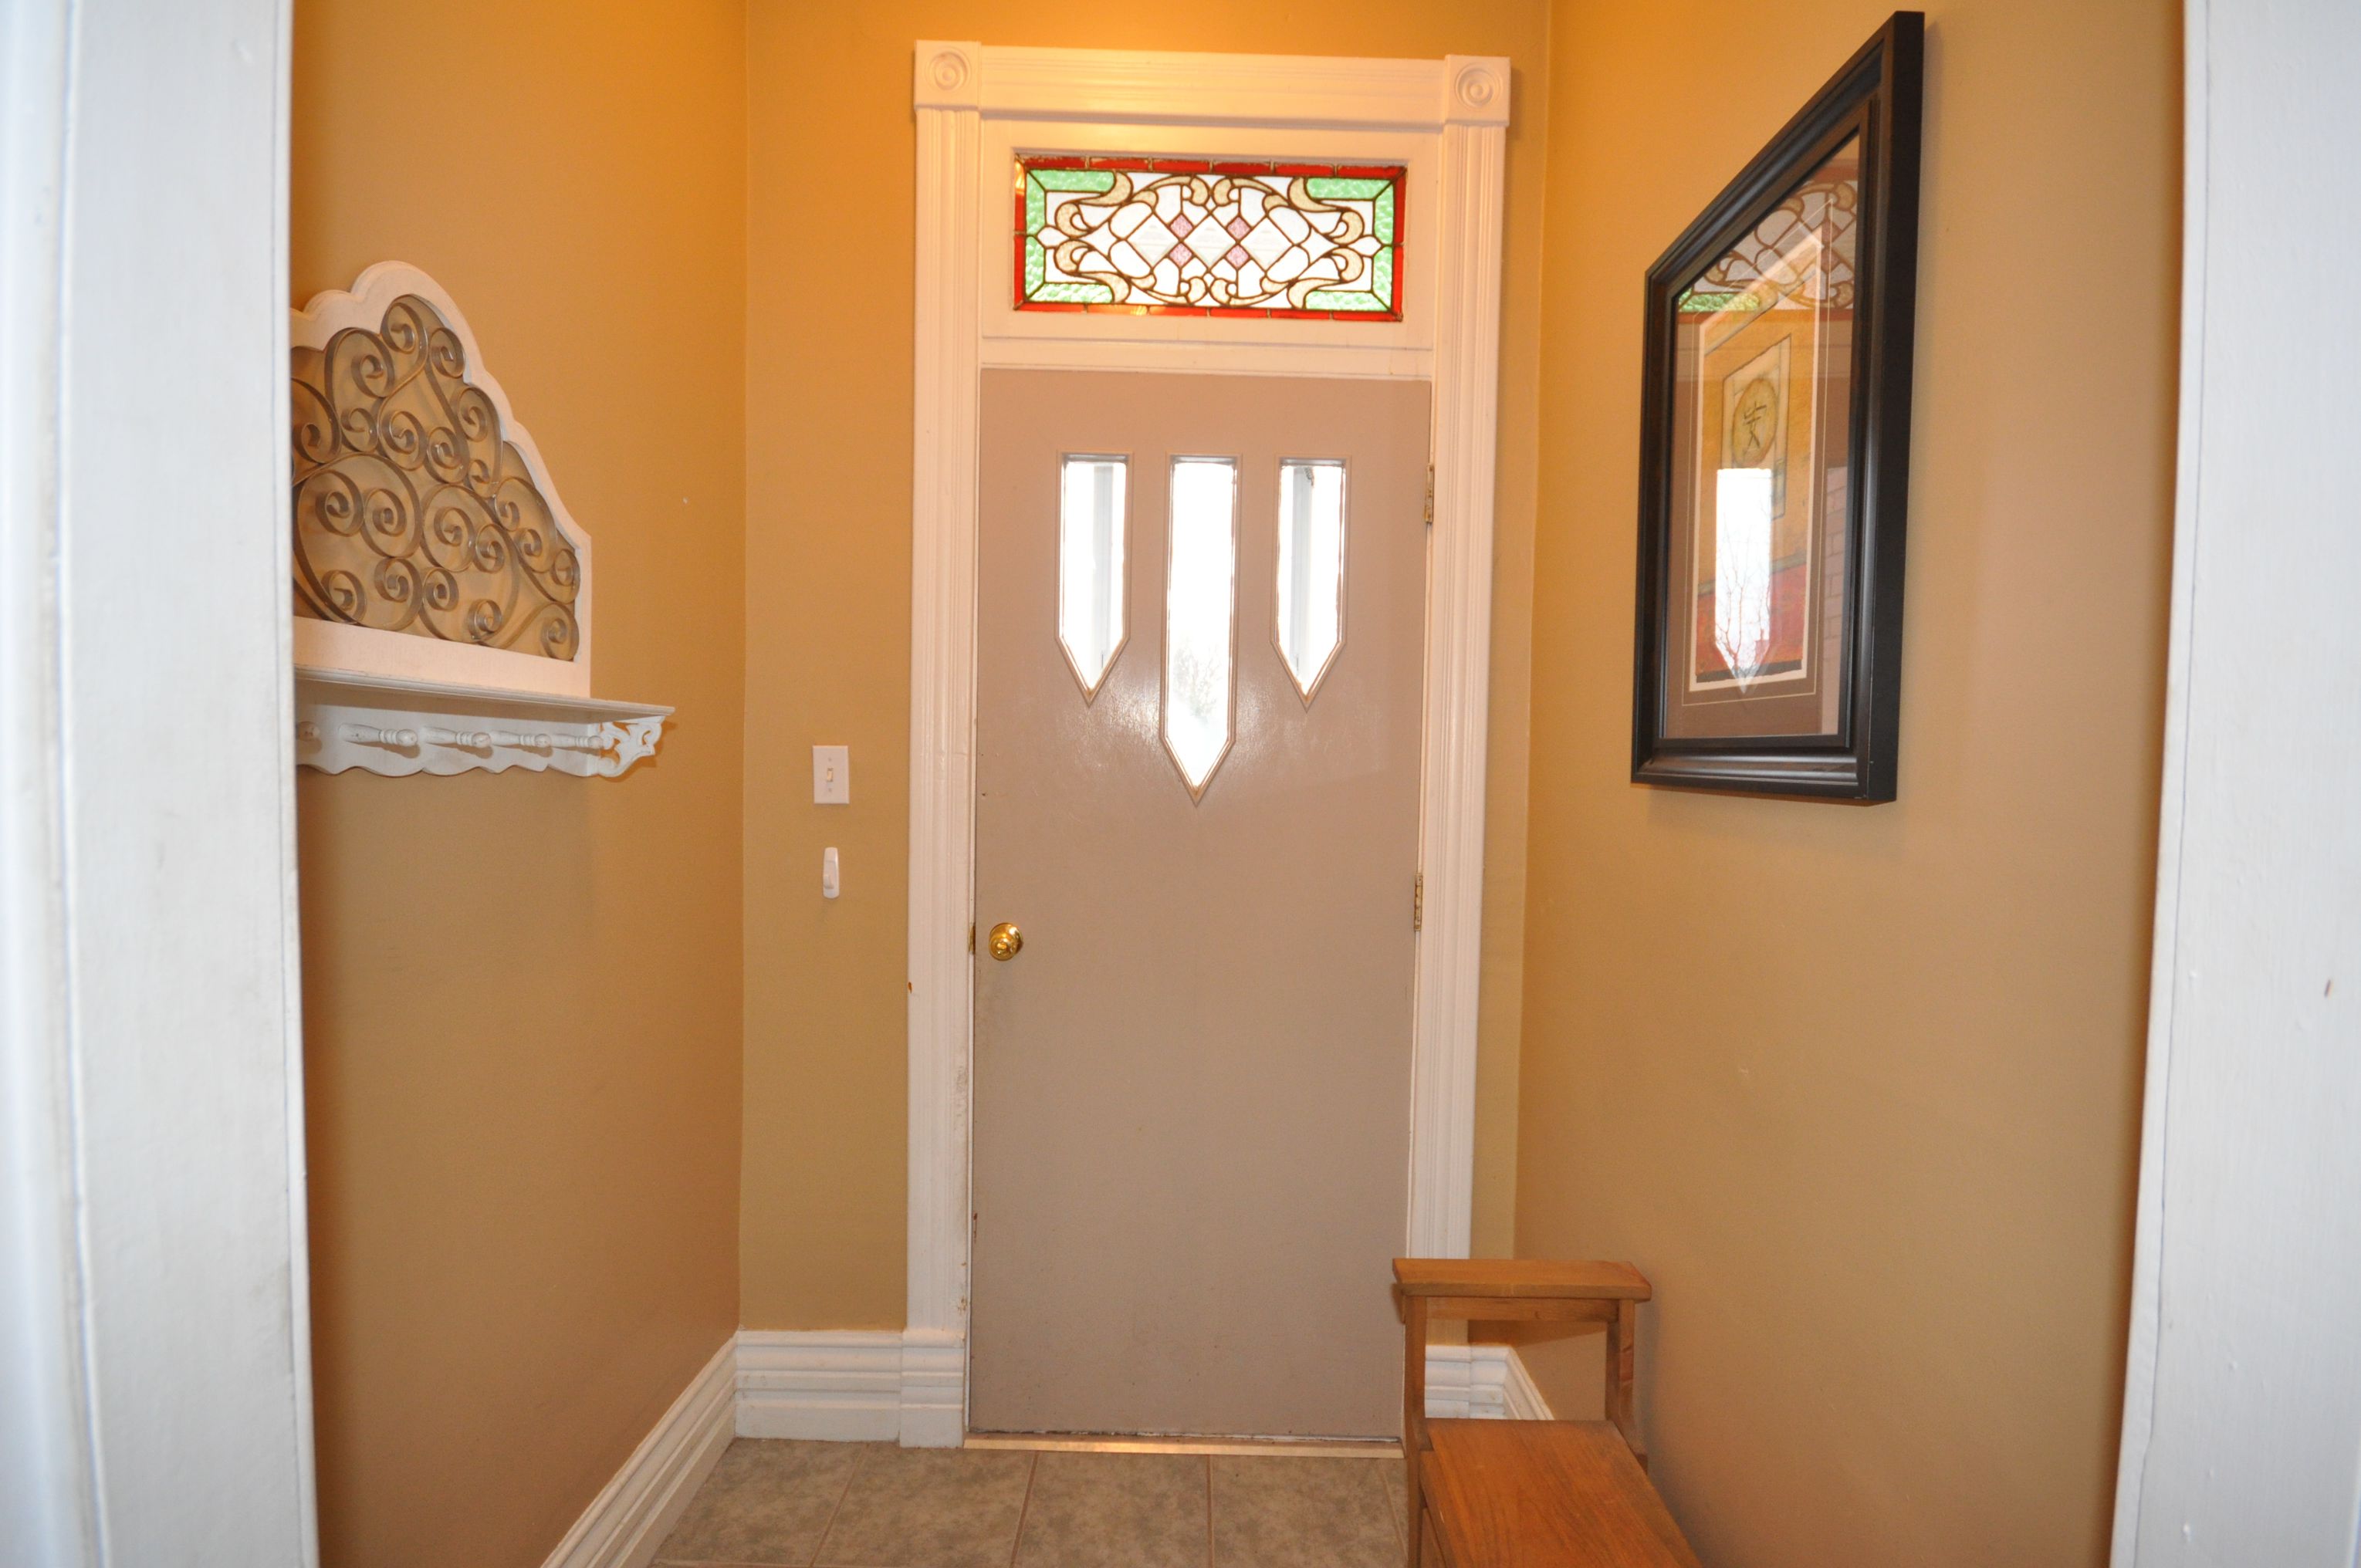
1201	612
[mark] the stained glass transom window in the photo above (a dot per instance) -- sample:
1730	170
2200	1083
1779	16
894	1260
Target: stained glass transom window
1187	236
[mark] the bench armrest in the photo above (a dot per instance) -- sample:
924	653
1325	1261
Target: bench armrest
1520	1278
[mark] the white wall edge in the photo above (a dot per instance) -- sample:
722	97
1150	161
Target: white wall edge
630	1516
2242	1391
155	1369
2147	1291
48	1487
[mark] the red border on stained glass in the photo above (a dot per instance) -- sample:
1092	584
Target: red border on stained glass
1393	172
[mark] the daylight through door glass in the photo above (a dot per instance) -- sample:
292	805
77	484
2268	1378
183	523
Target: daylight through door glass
1199	615
1311	568
1090	517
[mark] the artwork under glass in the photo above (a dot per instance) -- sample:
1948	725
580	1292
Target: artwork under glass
1774	446
1760	427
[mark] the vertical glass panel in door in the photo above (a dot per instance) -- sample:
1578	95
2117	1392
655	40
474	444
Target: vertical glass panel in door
1200	616
1311	568
1090	517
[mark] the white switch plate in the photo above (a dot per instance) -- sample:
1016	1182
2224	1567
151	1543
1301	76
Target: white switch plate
831	776
829	882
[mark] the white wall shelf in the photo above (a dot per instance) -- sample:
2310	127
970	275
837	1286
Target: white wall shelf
385	724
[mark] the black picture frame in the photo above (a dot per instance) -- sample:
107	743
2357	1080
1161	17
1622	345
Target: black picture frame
1877	96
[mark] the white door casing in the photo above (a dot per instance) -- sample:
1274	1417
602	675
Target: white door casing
1447	121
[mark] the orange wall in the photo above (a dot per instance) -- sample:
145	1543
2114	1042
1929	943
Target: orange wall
1858	1087
522	991
827	587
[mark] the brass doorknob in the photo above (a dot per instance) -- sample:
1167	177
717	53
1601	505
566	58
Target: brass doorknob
1005	941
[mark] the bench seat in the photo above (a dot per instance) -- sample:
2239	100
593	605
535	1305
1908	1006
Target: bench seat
1545	1495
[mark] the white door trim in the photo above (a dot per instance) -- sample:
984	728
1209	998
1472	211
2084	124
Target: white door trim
1453	116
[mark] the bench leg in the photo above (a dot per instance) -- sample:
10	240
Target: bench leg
1414	1521
1413	1415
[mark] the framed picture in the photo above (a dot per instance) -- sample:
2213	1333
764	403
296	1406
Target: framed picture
1774	454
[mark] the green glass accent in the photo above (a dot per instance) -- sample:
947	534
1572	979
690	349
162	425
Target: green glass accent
1331	189
1694	302
1356	302
1073	293
1097	181
1037	266
1384	220
1381	277
1039	183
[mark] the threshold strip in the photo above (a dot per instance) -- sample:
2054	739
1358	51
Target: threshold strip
1119	1443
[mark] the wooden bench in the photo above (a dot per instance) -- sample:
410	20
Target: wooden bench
1497	1494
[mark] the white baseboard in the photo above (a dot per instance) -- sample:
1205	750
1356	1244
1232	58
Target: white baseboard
1481	1381
1521	1400
878	1386
1451	1380
934	1390
839	1384
628	1521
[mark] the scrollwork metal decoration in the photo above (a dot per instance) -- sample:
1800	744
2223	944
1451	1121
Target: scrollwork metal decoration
412	512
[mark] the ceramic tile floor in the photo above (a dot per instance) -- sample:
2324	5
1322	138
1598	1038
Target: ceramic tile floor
866	1505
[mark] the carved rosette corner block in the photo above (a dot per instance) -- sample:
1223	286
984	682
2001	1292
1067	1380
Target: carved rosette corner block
948	75
1476	89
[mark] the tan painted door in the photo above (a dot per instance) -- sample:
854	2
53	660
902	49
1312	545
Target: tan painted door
1193	1080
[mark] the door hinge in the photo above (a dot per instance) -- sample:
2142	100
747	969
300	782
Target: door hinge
1418	902
1430	495
970	938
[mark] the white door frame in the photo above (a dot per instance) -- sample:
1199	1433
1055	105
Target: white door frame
1446	119
155	1376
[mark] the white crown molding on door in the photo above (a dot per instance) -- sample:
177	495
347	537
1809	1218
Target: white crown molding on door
1263	91
1453	116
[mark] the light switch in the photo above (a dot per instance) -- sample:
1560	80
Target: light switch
827	877
831	776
